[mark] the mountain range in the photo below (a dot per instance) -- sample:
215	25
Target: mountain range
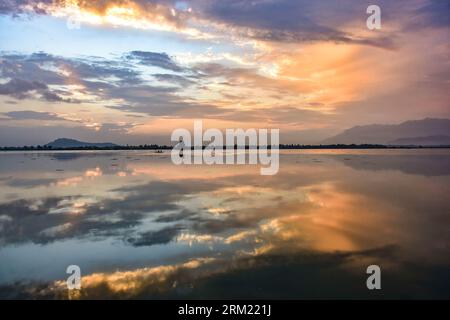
63	143
425	132
415	132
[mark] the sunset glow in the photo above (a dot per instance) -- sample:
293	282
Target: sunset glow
309	77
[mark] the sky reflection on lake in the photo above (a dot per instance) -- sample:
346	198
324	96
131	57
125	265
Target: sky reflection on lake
140	227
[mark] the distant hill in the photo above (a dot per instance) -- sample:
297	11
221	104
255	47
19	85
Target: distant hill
422	141
417	132
63	143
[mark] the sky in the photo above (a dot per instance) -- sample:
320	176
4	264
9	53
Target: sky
132	71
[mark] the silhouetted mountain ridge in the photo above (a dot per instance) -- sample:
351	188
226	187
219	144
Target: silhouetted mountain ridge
424	141
62	143
415	132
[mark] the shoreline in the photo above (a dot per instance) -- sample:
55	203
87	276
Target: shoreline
281	147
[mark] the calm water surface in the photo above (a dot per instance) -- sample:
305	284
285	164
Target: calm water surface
140	227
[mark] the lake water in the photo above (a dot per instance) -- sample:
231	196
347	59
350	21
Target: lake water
140	227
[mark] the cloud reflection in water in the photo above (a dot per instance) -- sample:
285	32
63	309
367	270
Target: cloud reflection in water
166	231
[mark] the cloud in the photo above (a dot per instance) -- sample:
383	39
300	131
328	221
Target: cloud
19	87
57	70
29	183
148	10
314	62
58	79
292	275
117	84
291	21
53	97
140	202
161	60
287	21
174	79
31	115
151	238
154	102
16	7
434	13
127	91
